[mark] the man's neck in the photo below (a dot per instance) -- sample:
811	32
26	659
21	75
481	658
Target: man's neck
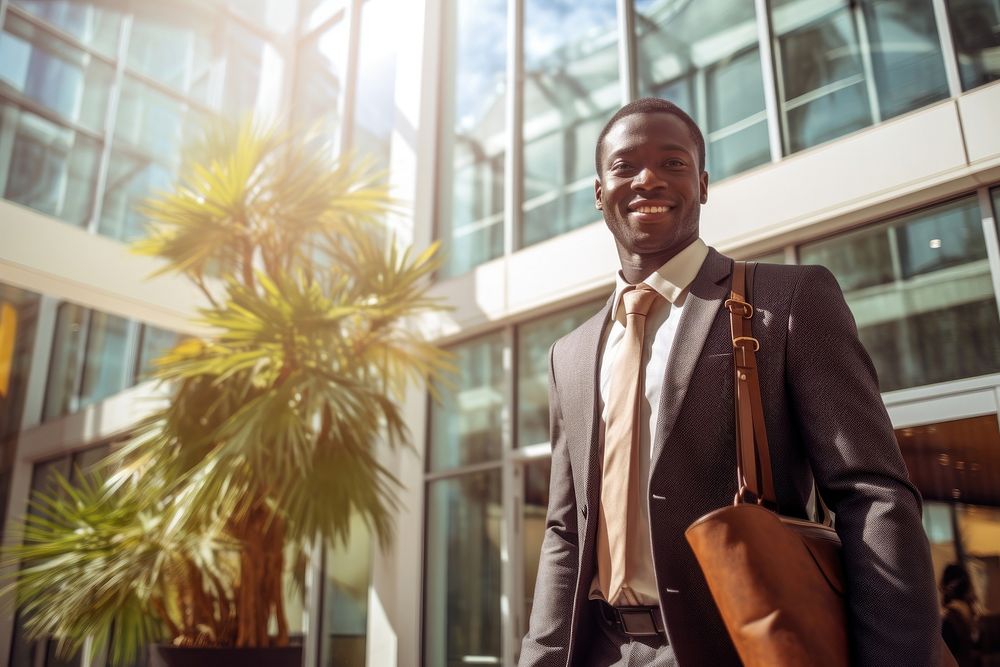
636	267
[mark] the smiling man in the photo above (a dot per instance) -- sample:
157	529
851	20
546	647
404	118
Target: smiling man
642	429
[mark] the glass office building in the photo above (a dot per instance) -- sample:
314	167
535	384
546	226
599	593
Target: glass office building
858	134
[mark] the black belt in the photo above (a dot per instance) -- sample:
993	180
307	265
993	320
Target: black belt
633	621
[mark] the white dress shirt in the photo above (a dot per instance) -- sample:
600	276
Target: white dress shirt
672	281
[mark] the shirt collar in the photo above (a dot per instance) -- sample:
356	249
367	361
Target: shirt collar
673	278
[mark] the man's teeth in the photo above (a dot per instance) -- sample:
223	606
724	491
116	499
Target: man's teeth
652	209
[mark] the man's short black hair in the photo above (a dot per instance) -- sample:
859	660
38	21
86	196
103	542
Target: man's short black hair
652	105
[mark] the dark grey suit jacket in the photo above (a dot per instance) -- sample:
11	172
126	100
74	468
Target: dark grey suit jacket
825	418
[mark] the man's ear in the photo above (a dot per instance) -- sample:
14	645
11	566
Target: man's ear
597	194
703	186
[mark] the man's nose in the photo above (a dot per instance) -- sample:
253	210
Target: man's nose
647	179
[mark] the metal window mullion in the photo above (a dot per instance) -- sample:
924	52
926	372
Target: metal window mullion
791	254
510	565
132	347
867	64
314	579
76	395
513	167
110	114
459	471
627	49
351	70
769	76
990	236
3	13
701	106
952	72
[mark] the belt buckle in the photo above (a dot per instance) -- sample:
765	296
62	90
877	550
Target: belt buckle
637	622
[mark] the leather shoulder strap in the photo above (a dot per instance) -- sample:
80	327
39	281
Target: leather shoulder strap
753	457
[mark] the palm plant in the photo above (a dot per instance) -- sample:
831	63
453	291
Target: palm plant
270	435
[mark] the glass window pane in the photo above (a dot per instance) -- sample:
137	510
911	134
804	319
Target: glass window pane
315	12
570	89
46	70
345	600
155	122
776	257
921	293
322	75
132	177
822	87
173	43
18	318
466	425
375	106
60	388
975	28
714	73
979	528
462	593
827	74
536	505
906	54
155	343
472	156
273	15
92	23
105	359
45	166
533	342
254	70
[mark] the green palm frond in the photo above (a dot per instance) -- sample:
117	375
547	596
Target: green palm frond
278	414
92	561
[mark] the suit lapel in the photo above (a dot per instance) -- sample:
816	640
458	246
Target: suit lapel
585	393
707	295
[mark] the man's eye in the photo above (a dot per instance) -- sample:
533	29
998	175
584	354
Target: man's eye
674	162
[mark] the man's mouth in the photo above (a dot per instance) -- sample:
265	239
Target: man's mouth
649	212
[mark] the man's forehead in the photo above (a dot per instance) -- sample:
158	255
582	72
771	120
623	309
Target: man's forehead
659	130
649	125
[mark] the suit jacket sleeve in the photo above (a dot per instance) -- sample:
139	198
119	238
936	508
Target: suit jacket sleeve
547	641
892	602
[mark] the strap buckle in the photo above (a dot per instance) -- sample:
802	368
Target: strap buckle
740	307
741	341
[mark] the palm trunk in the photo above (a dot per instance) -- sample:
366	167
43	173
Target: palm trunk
259	596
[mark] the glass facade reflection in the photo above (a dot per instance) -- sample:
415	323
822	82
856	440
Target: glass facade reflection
462	578
96	355
843	66
921	291
533	342
471	163
570	87
713	72
93	24
375	107
835	67
323	64
975	27
465	427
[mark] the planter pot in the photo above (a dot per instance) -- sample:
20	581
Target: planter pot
162	655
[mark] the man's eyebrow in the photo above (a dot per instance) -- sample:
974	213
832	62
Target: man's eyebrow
625	150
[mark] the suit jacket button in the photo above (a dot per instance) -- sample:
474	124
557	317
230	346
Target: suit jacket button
583	510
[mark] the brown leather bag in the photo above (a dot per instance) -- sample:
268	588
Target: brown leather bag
778	581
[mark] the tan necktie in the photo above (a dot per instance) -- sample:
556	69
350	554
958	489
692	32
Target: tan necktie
621	446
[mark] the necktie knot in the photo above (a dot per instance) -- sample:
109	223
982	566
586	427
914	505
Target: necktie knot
639	299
